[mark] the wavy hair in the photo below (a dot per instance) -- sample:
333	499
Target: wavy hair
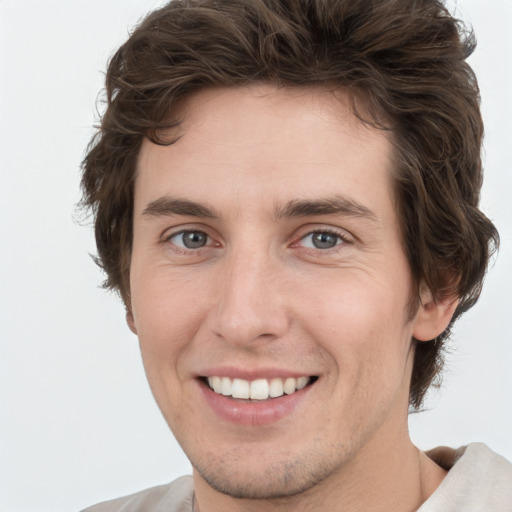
404	61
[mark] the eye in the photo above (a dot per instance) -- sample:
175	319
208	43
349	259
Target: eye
321	240
189	239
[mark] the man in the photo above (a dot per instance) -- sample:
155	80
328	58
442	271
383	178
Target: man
286	199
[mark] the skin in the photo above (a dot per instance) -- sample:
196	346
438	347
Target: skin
259	294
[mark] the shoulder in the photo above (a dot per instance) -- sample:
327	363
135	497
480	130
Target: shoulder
178	496
478	479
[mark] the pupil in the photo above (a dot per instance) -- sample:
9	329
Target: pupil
194	239
324	240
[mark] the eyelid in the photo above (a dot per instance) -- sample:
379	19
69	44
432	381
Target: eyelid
176	236
342	234
170	233
311	244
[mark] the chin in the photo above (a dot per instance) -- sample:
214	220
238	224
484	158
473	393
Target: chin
275	480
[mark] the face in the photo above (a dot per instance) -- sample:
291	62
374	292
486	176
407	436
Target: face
270	289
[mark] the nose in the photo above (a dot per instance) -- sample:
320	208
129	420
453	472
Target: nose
250	303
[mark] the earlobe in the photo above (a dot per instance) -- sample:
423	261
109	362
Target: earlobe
433	316
131	322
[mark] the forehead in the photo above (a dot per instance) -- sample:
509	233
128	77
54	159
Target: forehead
269	144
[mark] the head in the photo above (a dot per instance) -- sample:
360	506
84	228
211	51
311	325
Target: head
393	61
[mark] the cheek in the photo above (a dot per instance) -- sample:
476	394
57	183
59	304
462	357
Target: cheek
158	297
164	329
364	330
164	326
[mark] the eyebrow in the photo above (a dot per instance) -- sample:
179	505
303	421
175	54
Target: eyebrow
165	206
337	205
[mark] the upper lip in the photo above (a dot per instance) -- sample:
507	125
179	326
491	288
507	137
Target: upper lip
252	373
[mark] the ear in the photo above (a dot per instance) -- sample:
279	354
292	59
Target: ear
130	321
433	316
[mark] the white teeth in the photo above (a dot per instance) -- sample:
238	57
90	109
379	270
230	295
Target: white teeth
259	389
290	384
276	388
225	386
216	384
302	382
240	388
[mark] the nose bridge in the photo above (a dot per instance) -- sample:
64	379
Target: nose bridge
249	303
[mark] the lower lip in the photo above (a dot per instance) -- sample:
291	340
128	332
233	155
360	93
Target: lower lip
253	413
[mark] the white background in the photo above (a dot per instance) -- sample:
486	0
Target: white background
77	421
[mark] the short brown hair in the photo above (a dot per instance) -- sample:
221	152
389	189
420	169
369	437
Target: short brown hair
405	59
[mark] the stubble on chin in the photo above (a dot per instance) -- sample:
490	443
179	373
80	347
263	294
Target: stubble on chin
279	480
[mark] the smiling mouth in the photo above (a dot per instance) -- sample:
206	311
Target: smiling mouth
259	389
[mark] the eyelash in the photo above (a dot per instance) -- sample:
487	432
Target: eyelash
185	250
342	240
